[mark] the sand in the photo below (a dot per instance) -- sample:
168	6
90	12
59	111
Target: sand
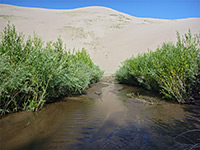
109	36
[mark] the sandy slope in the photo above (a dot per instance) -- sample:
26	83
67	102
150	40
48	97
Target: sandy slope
109	36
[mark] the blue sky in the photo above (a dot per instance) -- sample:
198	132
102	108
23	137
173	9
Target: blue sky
164	9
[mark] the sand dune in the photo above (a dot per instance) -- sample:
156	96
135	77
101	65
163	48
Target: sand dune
109	36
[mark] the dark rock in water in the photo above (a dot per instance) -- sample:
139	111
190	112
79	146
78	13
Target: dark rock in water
84	92
98	93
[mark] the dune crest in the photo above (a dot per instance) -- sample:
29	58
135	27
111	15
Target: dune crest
109	36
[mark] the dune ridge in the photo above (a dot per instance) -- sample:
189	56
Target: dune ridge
109	36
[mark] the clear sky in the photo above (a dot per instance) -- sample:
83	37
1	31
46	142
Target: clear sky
164	9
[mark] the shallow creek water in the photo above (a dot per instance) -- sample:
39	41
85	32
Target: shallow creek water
104	118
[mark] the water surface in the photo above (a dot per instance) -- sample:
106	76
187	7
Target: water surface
110	117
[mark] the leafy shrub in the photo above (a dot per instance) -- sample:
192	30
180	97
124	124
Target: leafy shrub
32	74
171	70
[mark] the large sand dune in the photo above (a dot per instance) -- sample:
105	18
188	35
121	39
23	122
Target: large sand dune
108	35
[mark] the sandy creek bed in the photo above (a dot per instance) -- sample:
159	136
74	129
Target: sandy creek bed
104	118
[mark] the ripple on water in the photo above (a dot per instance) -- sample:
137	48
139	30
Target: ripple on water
109	121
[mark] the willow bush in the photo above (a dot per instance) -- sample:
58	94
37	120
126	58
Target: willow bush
171	70
32	73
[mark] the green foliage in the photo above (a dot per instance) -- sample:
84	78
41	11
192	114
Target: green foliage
171	70
32	74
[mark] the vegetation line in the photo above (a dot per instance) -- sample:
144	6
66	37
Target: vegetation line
32	73
172	70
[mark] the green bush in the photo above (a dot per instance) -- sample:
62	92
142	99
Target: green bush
32	74
171	70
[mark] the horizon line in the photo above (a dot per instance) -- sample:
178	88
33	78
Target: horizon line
63	9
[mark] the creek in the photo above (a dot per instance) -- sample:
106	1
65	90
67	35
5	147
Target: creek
108	116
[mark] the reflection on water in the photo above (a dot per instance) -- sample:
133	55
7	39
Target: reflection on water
104	118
